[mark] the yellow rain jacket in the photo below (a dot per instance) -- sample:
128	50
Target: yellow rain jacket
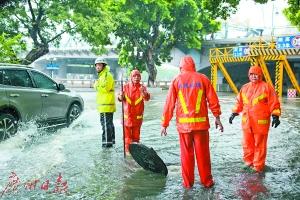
105	86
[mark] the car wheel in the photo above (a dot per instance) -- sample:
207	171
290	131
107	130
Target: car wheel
8	126
73	113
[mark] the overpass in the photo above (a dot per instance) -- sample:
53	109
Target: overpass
74	63
76	56
77	63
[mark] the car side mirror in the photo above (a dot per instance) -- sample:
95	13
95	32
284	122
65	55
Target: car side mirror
61	87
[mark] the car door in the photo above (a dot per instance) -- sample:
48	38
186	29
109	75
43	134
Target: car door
21	93
54	102
3	97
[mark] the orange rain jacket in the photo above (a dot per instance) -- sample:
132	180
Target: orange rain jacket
257	101
134	103
191	93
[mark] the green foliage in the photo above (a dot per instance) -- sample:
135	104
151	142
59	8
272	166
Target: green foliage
261	1
44	22
39	20
293	12
94	22
219	8
154	27
10	47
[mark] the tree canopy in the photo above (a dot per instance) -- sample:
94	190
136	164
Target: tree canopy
293	12
146	30
149	29
10	47
44	22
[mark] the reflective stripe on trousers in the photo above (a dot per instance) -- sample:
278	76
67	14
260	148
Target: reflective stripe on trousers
108	129
137	117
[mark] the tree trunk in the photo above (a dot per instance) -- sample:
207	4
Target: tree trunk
152	72
151	69
35	53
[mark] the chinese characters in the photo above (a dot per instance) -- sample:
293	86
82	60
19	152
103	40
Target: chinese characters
14	183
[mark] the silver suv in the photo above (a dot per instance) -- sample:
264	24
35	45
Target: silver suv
27	94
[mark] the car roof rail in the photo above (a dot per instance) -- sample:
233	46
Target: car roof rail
14	65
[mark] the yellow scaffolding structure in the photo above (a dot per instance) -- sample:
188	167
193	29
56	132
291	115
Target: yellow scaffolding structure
259	52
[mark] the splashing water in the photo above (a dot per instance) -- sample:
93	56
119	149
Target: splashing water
95	173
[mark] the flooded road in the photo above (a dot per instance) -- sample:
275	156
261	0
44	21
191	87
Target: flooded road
70	163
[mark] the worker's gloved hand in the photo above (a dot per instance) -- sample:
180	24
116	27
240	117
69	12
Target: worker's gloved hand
232	116
275	121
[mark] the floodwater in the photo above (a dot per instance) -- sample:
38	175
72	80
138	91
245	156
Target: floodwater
70	164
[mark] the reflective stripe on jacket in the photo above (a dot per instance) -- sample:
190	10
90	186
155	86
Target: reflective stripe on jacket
134	104
105	91
192	94
257	102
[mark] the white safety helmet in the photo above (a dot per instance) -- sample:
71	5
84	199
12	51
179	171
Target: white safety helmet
100	60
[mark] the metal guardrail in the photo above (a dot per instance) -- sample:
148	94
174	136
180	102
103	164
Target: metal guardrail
77	83
89	83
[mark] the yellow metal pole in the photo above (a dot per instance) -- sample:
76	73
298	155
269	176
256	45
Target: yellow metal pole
265	70
228	78
279	78
253	61
291	74
214	75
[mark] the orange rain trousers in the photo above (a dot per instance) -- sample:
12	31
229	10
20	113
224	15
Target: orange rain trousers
255	149
132	134
196	141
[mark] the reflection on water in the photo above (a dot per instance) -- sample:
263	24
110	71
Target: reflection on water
94	173
251	186
142	184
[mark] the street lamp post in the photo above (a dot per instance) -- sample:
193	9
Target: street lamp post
274	11
272	25
52	71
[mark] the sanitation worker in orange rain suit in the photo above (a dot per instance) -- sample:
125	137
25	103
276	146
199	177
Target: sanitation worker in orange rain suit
192	93
133	96
257	101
